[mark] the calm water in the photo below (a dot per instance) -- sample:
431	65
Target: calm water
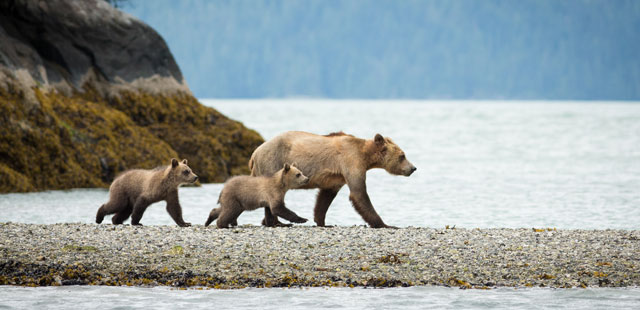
87	297
480	164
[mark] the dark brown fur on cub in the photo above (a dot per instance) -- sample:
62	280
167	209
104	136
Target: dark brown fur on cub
332	161
133	191
249	193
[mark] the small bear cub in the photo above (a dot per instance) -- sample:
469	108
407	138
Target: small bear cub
134	190
249	193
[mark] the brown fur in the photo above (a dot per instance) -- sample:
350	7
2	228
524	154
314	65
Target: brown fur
246	193
337	134
331	162
133	191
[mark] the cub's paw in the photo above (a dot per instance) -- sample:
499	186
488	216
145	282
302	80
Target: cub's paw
384	226
283	225
300	220
185	224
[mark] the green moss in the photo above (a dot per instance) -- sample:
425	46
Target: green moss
10	180
176	250
85	140
216	146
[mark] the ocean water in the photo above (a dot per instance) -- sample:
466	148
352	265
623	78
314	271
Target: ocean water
93	297
569	165
572	165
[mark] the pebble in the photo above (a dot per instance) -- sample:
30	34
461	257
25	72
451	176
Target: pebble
254	256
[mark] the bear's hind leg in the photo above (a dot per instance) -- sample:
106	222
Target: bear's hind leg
139	207
213	215
229	216
114	205
122	215
323	201
100	215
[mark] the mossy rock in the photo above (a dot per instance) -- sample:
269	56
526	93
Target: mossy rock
85	140
12	181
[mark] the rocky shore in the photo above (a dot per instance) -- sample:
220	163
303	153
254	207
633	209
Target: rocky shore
88	91
87	254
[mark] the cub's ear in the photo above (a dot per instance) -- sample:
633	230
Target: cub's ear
184	161
174	163
286	168
379	139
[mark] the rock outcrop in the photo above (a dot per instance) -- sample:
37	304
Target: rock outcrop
87	91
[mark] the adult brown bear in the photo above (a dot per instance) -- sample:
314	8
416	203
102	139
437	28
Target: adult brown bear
330	162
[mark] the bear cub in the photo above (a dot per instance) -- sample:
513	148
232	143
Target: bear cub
249	193
134	190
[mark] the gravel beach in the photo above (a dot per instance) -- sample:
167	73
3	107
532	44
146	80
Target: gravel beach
252	256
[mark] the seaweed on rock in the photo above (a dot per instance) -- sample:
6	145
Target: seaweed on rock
84	140
87	91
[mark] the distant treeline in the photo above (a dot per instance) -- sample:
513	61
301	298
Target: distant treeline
525	49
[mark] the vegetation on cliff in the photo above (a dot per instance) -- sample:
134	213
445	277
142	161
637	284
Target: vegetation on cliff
87	91
85	140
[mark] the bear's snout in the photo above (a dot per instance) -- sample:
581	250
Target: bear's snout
411	170
195	178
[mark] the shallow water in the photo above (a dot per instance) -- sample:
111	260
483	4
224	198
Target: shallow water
480	164
89	297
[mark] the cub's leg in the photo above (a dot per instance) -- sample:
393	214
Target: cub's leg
139	207
213	215
114	205
174	209
271	220
229	214
122	215
278	209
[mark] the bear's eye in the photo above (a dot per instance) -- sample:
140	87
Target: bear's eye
402	157
186	172
298	175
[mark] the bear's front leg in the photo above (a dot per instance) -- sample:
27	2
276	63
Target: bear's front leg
279	209
323	201
361	202
174	209
271	220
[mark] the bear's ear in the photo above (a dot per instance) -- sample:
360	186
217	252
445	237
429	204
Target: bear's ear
379	139
174	163
286	168
184	161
